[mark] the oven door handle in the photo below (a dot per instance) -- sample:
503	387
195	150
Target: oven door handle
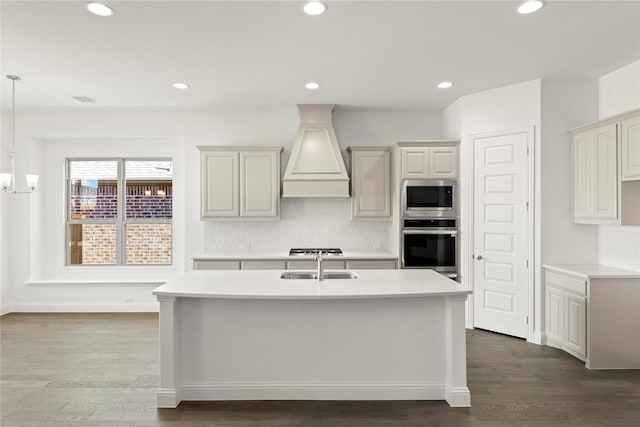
422	231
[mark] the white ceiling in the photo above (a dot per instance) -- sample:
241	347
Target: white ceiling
247	55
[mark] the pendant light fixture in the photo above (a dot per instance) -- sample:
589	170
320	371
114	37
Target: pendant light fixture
8	180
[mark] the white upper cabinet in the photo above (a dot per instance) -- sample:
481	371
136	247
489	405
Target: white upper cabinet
443	162
605	189
429	162
415	163
595	174
259	183
220	184
371	181
240	182
630	141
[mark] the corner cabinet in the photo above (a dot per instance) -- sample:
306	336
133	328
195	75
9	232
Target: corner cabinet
606	171
565	313
630	153
371	182
240	182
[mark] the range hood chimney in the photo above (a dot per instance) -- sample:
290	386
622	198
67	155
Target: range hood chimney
315	168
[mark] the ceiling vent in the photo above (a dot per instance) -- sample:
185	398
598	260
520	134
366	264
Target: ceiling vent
315	168
83	99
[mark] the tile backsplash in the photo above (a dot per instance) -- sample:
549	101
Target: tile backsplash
304	222
619	246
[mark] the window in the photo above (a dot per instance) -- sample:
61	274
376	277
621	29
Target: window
119	211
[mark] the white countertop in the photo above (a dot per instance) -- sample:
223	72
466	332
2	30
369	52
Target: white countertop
285	255
267	284
593	271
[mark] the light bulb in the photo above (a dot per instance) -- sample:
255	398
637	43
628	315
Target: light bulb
5	181
32	181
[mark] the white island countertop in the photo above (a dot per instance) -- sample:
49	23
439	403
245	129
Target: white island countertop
267	284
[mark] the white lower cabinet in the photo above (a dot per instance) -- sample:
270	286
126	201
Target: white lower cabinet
566	313
298	264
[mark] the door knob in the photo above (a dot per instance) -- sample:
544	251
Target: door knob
479	257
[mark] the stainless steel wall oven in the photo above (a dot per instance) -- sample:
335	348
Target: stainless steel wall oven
430	243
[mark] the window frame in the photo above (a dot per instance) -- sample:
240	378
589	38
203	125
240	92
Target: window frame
121	221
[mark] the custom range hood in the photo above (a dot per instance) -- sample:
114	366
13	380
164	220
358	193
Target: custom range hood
315	168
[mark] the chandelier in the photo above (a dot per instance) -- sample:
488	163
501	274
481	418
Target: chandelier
8	180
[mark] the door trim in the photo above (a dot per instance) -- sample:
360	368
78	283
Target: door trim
531	150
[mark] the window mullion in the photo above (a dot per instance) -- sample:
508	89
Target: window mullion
120	232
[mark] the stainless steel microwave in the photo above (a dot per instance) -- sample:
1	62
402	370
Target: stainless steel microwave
429	198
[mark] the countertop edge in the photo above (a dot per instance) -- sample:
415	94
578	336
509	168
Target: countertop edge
593	271
464	292
269	257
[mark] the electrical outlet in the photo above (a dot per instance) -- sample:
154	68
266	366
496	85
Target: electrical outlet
128	300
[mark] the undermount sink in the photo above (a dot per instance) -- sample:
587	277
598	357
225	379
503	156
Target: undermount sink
313	275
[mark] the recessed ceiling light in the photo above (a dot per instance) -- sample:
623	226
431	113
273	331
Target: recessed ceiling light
444	85
312	85
181	86
99	9
530	6
315	8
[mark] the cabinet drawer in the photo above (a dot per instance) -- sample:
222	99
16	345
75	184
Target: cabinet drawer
216	265
382	264
569	283
264	265
312	265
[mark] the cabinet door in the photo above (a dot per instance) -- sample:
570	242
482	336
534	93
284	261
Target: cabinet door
443	162
630	146
264	265
219	186
259	184
583	146
415	163
575	327
554	316
216	265
312	265
371	177
381	264
606	173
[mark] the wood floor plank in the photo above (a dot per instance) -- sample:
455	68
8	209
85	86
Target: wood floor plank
102	370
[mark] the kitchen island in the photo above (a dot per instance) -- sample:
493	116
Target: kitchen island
250	335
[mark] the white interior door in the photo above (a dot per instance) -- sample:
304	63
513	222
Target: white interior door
501	232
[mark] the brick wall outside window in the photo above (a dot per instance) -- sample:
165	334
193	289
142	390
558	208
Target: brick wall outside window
146	243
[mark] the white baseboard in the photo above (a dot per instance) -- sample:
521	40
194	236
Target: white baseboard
313	391
168	398
84	308
5	309
459	397
539	338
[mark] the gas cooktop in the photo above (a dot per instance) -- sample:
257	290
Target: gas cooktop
314	251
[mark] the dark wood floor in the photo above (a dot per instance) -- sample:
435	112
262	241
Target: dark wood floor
102	370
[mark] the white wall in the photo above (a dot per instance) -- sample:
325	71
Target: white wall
5	259
566	103
619	92
39	279
506	108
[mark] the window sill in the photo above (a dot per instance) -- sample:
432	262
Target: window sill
54	282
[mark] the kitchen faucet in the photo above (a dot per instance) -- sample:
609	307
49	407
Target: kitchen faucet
320	269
